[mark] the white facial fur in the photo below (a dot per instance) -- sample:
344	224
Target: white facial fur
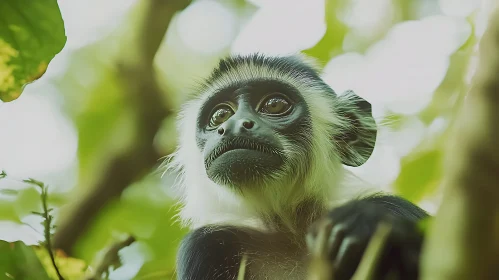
204	202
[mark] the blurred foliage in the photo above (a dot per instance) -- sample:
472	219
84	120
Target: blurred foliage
100	118
422	169
70	268
420	174
332	41
146	212
40	259
31	34
15	258
92	100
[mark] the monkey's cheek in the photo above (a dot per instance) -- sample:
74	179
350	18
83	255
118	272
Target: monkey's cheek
242	167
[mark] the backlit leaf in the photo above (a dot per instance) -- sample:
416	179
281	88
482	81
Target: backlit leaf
31	34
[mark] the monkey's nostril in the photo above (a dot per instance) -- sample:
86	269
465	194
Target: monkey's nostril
248	124
221	130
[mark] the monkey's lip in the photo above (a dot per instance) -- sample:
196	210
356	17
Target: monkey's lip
241	144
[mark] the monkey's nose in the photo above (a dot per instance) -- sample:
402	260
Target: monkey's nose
235	127
221	130
248	124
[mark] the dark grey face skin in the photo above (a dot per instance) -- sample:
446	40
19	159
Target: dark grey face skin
238	131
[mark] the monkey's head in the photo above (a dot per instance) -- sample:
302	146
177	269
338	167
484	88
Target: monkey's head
270	131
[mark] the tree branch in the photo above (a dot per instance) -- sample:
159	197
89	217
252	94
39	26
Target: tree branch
145	98
110	258
463	240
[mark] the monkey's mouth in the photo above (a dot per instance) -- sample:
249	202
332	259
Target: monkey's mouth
241	144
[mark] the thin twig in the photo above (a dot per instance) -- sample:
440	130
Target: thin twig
47	222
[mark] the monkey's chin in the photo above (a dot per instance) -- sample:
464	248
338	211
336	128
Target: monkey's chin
244	167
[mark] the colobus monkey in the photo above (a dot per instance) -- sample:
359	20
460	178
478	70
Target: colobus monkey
260	156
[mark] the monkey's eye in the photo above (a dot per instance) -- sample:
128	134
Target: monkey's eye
275	105
220	115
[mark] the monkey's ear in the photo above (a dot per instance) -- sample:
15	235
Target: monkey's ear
358	136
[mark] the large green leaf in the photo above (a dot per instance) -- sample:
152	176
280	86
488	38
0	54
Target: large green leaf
31	34
18	261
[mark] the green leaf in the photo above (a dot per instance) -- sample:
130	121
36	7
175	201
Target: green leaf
3	174
70	268
28	201
31	34
332	42
420	175
8	211
18	261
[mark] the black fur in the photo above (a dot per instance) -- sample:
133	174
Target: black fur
357	221
283	64
210	254
215	253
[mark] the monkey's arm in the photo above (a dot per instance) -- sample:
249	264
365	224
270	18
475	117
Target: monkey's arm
351	226
210	253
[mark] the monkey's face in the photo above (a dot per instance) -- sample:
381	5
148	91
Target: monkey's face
271	130
251	133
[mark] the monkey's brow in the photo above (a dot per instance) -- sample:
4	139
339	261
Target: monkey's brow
220	95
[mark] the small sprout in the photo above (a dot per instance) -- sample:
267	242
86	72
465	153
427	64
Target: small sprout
3	174
35	182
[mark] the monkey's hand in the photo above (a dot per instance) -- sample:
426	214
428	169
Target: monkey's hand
349	228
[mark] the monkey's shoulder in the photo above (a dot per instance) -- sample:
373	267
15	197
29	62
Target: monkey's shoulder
210	253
